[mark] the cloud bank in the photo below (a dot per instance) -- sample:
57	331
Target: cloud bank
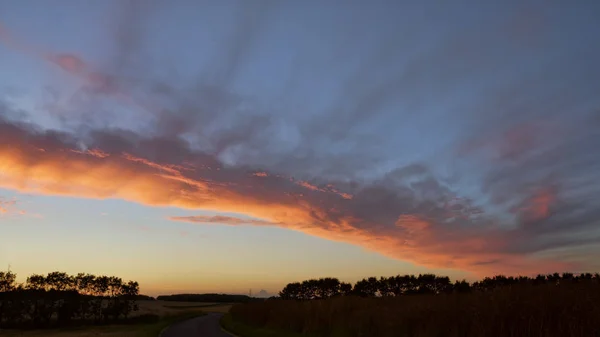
407	214
495	173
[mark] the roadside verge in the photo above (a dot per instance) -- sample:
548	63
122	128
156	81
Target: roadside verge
238	329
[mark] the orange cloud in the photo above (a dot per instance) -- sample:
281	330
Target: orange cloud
67	62
93	80
91	152
9	207
329	188
512	143
171	169
377	217
538	206
308	185
222	220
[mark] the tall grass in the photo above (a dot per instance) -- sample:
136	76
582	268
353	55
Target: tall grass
568	310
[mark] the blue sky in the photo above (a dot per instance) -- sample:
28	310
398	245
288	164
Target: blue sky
391	137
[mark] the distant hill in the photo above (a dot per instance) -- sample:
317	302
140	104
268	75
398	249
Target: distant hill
216	298
141	298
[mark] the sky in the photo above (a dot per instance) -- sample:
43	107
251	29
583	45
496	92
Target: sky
223	146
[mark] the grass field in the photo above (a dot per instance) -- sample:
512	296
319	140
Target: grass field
569	310
242	330
168	308
170	312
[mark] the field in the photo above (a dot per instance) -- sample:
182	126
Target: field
569	310
169	312
169	308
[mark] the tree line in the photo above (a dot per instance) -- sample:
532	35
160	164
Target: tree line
60	299
422	284
216	298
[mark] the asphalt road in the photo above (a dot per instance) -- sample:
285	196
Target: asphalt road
203	326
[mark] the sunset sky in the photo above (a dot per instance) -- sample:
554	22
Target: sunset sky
222	146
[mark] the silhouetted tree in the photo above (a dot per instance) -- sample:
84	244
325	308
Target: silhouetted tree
432	284
386	286
553	278
408	284
367	287
60	281
345	289
7	281
7	284
58	297
422	284
540	279
462	286
36	282
292	291
315	289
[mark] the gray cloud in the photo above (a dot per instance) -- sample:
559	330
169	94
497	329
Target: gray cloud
409	205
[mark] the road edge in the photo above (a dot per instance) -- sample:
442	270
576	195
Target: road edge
228	332
179	320
163	331
223	328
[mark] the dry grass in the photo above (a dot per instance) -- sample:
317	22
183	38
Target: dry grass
109	331
540	311
167	310
222	308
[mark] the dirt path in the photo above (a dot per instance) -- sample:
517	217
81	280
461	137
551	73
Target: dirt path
204	326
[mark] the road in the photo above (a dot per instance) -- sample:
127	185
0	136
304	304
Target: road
203	326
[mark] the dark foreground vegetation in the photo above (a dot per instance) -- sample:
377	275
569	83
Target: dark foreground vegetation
564	305
215	298
59	299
